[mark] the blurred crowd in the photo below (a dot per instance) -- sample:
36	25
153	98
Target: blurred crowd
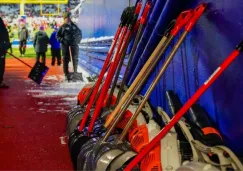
34	23
48	16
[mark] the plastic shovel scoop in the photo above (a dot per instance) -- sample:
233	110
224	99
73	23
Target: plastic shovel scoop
37	72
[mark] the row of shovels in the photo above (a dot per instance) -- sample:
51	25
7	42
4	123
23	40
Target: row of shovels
113	128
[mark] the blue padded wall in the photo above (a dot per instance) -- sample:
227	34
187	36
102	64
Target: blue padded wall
101	17
214	36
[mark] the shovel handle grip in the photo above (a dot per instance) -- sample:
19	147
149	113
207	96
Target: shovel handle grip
169	28
239	47
196	15
125	16
181	20
145	12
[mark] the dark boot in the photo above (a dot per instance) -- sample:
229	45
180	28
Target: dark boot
59	62
53	61
20	50
58	55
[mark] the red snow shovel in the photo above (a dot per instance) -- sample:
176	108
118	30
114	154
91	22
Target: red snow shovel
37	72
186	106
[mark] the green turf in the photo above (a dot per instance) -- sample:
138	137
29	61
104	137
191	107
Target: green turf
30	52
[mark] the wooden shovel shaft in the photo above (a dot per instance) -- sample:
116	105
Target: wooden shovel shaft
136	81
152	86
71	56
148	67
139	34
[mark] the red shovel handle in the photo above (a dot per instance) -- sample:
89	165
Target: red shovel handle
108	82
186	107
143	18
145	12
98	82
196	15
182	19
138	7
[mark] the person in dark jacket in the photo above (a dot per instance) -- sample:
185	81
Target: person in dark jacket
69	35
23	37
4	46
55	48
41	41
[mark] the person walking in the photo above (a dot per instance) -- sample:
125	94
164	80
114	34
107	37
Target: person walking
55	48
69	35
23	37
40	43
4	46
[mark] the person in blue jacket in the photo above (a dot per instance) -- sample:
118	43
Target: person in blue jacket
55	48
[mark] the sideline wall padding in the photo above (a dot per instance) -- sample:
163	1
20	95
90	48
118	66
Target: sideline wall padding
101	17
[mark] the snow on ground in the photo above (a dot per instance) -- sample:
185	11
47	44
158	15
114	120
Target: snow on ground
89	40
70	98
58	89
54	86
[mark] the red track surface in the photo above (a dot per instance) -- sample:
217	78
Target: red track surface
29	139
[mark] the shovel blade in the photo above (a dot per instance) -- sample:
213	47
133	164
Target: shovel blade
38	72
75	76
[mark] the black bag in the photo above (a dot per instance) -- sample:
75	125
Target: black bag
38	72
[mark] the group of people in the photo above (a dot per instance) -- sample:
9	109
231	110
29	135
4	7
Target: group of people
65	39
68	35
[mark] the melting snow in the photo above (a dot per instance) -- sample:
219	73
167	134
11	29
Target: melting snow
53	77
42	109
89	40
70	98
55	86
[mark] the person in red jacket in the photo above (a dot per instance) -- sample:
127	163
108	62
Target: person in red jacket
4	46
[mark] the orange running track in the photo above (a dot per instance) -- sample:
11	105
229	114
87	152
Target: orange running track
32	128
